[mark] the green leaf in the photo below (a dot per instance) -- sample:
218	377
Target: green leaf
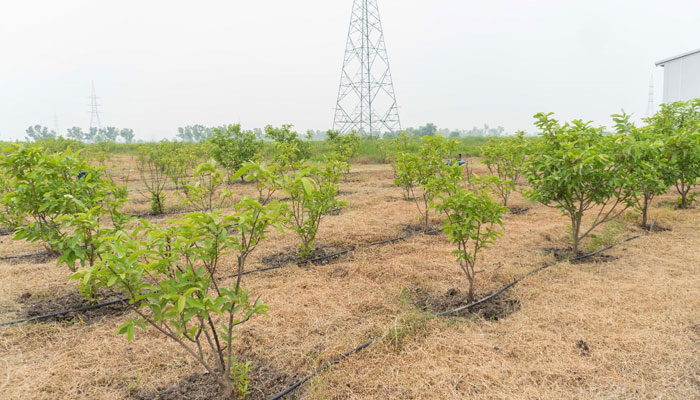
181	303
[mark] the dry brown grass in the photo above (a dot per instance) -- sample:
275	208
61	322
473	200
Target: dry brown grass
639	314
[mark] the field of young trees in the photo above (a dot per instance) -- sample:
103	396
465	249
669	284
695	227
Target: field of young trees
559	266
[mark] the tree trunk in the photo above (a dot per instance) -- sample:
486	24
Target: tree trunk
684	200
425	201
226	388
684	195
645	211
576	227
470	298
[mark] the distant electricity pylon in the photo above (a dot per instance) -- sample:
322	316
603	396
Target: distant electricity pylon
366	98
55	123
650	103
94	110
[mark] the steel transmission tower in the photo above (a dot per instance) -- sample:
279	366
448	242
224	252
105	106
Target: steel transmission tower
94	110
366	98
650	103
55	123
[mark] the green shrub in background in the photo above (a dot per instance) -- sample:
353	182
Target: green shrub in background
312	192
505	158
576	168
679	124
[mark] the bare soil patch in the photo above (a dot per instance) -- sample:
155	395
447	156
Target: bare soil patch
583	347
335	211
417	229
33	306
656	227
265	381
321	256
492	310
562	254
338	273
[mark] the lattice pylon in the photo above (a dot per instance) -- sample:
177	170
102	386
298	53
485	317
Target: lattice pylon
94	110
650	102
366	97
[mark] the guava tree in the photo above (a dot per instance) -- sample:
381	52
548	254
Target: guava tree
648	168
505	158
153	162
312	192
414	171
577	169
405	174
231	147
169	275
65	200
10	218
473	219
344	147
289	150
679	123
179	160
204	191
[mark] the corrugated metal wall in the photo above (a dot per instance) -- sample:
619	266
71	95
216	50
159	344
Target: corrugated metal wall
682	78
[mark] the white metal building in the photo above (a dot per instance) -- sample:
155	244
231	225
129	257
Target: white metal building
681	76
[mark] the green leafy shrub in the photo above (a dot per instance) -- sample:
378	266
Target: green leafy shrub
413	171
152	164
577	169
169	275
204	192
343	147
289	150
472	219
648	168
405	173
179	160
312	191
64	199
505	158
679	123
58	144
10	218
232	147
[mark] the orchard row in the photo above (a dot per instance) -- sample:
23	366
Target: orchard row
169	270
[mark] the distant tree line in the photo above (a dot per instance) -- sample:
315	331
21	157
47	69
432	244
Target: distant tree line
430	129
200	133
93	135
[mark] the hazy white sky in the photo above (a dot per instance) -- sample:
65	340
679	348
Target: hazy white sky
158	64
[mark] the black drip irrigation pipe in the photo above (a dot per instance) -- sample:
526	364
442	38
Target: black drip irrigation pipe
534	271
41	253
109	303
442	314
61	313
163	214
323	367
